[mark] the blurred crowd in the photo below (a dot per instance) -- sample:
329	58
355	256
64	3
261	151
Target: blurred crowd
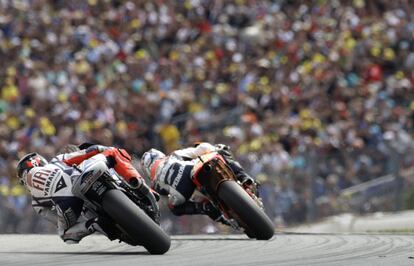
312	96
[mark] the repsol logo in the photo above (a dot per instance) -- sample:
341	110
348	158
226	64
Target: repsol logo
179	176
89	178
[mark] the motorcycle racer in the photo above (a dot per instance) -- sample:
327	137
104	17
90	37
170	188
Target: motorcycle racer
171	175
51	186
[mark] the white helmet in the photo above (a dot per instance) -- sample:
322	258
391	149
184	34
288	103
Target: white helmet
148	159
28	162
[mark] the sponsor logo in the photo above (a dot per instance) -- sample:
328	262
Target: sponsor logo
38	180
179	176
61	184
50	180
99	188
86	176
43	180
88	179
170	173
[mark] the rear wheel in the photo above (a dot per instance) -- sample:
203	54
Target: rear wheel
253	219
135	222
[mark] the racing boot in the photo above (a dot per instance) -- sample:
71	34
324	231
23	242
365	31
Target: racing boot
74	234
245	179
102	225
211	211
239	172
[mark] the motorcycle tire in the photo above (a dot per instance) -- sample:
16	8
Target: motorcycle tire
140	228
255	222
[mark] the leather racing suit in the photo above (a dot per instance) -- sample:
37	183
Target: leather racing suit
173	178
51	188
52	197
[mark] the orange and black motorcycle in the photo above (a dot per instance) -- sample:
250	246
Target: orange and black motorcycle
240	205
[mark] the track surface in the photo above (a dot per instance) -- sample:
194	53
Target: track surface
283	249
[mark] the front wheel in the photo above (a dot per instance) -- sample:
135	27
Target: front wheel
135	222
252	217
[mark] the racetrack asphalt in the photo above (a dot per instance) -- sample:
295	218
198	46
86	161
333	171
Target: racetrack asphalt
282	249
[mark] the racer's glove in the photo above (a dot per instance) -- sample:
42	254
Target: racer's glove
223	150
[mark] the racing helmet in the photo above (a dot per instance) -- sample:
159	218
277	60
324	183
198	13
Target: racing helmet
148	159
28	162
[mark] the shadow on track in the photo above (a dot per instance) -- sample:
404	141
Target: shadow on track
124	253
212	239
